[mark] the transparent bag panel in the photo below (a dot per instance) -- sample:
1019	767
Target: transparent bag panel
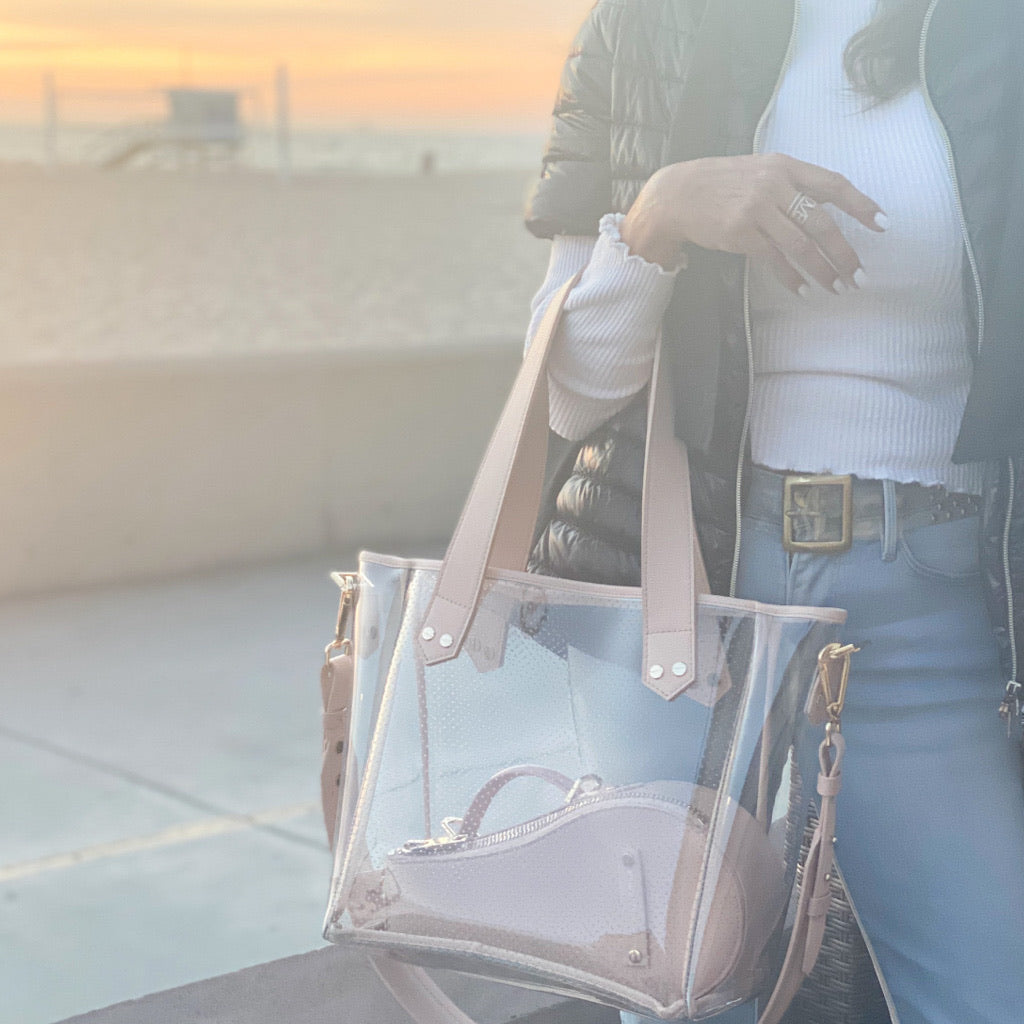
531	797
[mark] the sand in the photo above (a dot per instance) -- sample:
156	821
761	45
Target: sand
156	264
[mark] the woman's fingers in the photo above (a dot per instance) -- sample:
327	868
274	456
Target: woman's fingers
817	248
729	203
831	187
783	269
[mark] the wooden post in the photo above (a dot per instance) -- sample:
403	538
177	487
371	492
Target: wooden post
49	121
283	118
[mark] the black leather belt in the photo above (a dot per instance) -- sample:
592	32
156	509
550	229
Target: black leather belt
826	514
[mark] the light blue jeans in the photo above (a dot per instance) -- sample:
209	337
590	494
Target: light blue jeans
931	816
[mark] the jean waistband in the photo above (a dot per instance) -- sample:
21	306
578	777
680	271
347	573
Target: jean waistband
908	505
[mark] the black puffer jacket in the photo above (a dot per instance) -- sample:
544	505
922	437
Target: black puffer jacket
593	529
652	82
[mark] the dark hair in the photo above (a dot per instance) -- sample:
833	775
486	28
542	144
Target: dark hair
881	60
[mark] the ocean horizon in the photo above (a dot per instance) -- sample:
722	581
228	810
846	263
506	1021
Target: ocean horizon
358	149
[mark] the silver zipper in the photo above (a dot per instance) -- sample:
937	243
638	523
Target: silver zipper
755	147
447	844
1011	701
1006	560
952	168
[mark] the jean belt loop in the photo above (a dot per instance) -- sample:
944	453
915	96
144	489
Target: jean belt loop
890	529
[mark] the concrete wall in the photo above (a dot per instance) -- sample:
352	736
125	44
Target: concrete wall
120	470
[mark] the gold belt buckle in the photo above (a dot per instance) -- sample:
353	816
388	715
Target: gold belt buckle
817	514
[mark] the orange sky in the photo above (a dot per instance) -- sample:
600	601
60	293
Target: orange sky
385	61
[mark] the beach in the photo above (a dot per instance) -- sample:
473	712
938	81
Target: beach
154	264
213	368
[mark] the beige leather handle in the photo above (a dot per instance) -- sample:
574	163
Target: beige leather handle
497	523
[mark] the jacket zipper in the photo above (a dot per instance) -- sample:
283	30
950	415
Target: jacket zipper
1011	706
951	162
758	132
1011	699
745	433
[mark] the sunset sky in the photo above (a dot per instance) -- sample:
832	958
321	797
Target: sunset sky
403	62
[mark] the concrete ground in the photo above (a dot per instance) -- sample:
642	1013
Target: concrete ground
159	749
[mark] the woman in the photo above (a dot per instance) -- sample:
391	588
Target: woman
818	204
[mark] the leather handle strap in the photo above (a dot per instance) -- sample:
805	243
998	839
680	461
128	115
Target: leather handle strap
497	523
416	992
672	570
470	550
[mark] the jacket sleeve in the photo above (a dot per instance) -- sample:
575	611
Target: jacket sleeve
574	189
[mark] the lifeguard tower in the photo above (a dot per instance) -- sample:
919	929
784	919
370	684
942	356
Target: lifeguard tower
202	125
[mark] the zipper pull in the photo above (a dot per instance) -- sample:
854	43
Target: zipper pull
1010	708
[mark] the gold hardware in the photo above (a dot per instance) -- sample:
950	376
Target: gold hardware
349	584
345	646
804	498
834	658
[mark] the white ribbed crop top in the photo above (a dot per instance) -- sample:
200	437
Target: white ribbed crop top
871	382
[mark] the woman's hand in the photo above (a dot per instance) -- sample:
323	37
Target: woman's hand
764	206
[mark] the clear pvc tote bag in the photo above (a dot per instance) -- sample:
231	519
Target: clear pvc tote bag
593	790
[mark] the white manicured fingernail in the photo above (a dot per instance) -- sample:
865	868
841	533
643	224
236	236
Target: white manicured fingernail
804	291
859	277
881	221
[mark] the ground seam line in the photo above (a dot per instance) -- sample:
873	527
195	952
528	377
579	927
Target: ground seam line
172	836
143	782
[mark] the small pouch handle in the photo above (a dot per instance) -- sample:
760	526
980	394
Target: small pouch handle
473	818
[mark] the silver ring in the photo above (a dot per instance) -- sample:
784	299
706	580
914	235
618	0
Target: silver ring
801	208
